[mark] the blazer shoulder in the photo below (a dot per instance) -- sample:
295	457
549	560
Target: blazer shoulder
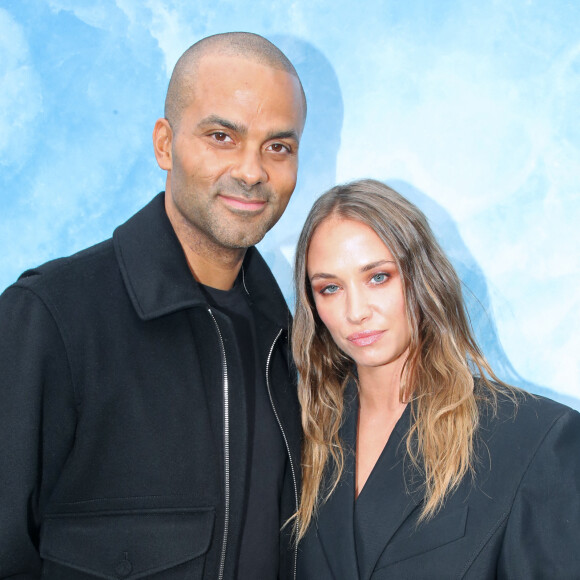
518	427
526	409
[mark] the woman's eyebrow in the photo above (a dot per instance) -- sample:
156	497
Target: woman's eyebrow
322	276
365	268
376	264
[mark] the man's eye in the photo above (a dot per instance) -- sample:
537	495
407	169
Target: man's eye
279	148
221	137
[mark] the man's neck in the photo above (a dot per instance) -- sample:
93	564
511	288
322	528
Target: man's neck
210	263
214	273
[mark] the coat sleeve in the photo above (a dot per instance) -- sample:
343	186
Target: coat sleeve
542	537
37	417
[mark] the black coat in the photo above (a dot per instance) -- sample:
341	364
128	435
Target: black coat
519	518
112	413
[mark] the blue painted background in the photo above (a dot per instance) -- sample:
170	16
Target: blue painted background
469	108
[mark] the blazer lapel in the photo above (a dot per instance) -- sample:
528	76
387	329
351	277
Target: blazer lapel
336	516
385	501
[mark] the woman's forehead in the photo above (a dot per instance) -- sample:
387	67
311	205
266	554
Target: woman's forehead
344	242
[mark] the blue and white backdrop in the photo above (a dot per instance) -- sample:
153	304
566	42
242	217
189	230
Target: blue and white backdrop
469	108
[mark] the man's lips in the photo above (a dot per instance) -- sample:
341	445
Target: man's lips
366	337
241	203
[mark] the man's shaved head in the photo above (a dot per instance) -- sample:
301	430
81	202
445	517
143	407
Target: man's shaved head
244	45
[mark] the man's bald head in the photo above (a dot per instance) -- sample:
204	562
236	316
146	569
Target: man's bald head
244	45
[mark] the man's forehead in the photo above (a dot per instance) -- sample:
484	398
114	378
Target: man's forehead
230	78
224	63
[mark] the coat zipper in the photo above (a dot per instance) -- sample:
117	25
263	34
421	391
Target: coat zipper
226	450
283	435
227	444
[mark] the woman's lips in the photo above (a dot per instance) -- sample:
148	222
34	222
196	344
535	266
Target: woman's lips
366	337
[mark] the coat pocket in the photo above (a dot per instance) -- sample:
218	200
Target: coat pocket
442	530
127	544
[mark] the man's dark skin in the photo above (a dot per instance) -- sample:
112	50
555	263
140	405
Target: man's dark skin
231	159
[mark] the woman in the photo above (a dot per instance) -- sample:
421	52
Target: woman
413	468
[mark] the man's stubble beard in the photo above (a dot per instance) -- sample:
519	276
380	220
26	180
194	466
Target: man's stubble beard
232	233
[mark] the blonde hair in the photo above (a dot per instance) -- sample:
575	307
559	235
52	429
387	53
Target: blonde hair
437	378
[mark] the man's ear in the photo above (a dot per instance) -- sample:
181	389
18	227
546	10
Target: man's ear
162	138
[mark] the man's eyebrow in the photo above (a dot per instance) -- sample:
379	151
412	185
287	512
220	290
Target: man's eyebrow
213	120
290	134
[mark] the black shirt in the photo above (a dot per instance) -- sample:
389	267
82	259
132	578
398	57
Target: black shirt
259	548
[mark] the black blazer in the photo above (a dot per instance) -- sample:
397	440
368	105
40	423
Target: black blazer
519	517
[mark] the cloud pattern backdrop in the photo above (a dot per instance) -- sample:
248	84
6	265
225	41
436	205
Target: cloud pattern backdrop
470	109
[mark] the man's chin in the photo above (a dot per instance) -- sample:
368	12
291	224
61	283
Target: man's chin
246	234
242	243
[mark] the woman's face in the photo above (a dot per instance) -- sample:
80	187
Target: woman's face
358	293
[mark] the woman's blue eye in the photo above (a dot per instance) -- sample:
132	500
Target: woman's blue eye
379	278
330	289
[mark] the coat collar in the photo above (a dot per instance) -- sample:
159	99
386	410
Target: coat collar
157	277
383	505
390	495
335	520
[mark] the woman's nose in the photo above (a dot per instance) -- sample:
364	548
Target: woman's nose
358	308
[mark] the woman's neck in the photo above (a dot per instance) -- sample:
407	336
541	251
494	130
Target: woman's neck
379	387
380	408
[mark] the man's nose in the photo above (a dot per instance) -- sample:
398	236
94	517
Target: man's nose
249	168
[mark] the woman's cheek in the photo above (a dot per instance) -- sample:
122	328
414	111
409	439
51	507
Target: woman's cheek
325	315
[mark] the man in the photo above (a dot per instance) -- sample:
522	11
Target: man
148	420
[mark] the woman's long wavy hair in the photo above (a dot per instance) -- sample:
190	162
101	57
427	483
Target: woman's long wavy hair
437	378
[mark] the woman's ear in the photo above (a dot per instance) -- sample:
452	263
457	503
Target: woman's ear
162	139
